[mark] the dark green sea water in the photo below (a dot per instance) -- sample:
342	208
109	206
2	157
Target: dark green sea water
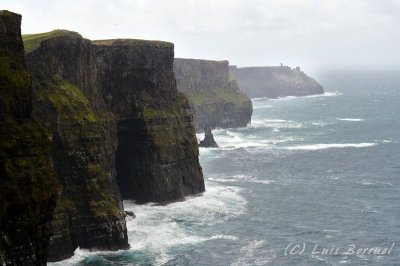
319	171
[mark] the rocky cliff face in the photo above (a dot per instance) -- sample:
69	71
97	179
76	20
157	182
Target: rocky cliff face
28	187
116	118
157	156
89	213
273	82
214	97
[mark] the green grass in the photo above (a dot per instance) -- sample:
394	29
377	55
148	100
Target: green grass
132	42
69	101
217	96
33	41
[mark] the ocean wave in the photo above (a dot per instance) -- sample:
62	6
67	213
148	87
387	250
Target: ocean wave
161	229
254	253
230	140
321	124
227	237
239	178
275	123
233	140
286	98
262	106
314	147
80	255
350	119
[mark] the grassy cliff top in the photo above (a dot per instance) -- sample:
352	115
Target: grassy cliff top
6	13
32	41
217	96
200	61
131	42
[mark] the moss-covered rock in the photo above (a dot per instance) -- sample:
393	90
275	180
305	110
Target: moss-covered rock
157	156
214	96
97	96
28	187
89	213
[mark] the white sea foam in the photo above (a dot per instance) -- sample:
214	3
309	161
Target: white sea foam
332	93
227	237
254	253
233	140
79	256
321	124
350	119
159	229
262	106
314	147
275	123
239	178
288	98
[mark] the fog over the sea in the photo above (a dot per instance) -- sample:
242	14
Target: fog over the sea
309	33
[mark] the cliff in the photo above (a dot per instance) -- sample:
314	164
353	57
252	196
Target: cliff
157	156
28	187
117	120
89	213
215	98
273	82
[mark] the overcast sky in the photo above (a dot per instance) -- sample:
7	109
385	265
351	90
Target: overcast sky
308	33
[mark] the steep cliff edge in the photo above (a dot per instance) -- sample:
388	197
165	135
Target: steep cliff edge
273	82
157	156
111	105
215	98
89	213
28	187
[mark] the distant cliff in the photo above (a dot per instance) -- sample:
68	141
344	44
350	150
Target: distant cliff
28	187
118	121
273	82
214	97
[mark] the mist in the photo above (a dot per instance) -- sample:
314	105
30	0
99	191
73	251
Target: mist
313	34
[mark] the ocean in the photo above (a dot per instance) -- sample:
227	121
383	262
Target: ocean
313	180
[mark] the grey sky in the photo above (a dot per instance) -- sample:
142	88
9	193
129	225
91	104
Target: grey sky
309	33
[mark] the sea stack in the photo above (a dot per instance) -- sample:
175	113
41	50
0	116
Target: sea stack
208	141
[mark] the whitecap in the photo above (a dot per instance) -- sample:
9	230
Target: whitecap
80	255
254	253
332	93
314	147
321	124
227	237
239	178
262	106
286	98
350	119
158	229
275	123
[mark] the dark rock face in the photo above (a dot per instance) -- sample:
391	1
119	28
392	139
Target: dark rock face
89	213
214	96
28	187
116	118
208	141
157	156
273	82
